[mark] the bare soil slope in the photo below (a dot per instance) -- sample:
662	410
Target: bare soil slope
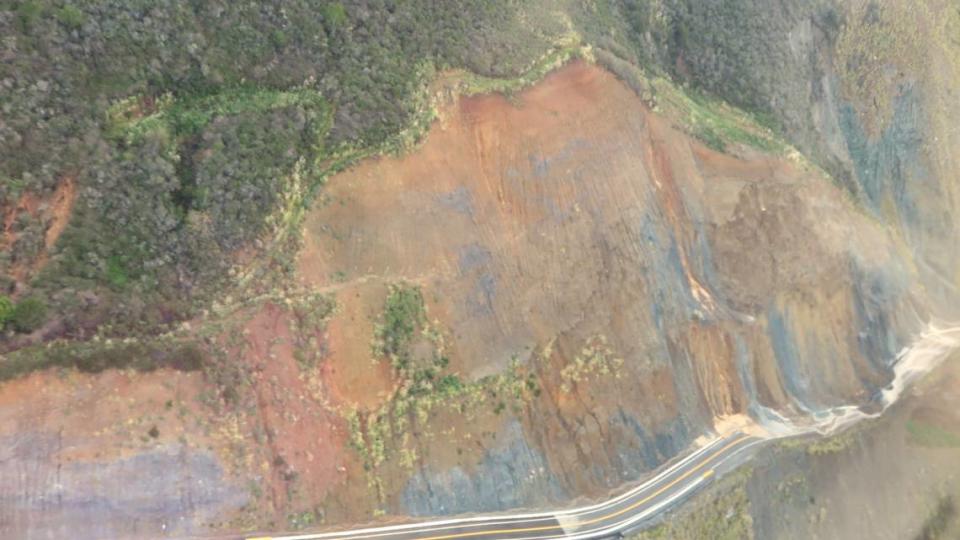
569	215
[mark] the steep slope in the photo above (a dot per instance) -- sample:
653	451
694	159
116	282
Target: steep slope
555	291
574	230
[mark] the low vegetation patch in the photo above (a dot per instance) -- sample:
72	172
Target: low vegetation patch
417	352
833	444
28	314
6	310
595	358
100	355
941	519
311	313
716	123
403	315
931	435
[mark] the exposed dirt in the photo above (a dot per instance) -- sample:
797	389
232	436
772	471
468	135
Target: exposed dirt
111	456
354	377
61	205
29	204
53	212
303	437
571	211
606	290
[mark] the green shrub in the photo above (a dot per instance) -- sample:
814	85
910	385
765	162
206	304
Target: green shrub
6	309
28	13
449	385
403	313
71	16
116	272
334	15
29	314
279	38
931	435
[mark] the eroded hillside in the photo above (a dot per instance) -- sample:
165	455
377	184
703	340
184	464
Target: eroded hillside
650	283
499	293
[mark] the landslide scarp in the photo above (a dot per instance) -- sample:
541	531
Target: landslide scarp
431	291
649	284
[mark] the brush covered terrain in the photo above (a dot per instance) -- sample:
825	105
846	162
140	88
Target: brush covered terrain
289	264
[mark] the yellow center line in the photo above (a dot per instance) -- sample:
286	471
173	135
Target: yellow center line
601	518
589	521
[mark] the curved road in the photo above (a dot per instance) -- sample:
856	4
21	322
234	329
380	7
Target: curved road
609	518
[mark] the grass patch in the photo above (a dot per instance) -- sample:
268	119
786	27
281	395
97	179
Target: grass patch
71	17
6	309
713	121
117	272
563	51
818	445
385	434
312	311
426	387
416	351
931	436
831	445
28	13
595	358
718	124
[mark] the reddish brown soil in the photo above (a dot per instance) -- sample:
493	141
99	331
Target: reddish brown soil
498	213
511	216
353	376
522	221
61	205
56	215
305	440
121	455
107	416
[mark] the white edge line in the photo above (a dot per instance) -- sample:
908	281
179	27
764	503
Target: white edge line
633	519
493	520
507	519
652	510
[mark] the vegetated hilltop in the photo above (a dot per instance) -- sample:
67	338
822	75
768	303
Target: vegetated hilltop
178	127
725	208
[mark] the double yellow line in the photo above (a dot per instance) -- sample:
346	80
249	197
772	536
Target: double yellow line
623	510
611	515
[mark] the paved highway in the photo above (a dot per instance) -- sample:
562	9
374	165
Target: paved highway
609	518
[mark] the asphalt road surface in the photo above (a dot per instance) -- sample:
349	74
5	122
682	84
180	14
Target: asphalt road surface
622	513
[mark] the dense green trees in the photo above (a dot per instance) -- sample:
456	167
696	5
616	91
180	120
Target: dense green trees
198	163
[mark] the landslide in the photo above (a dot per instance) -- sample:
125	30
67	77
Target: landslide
647	282
519	298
